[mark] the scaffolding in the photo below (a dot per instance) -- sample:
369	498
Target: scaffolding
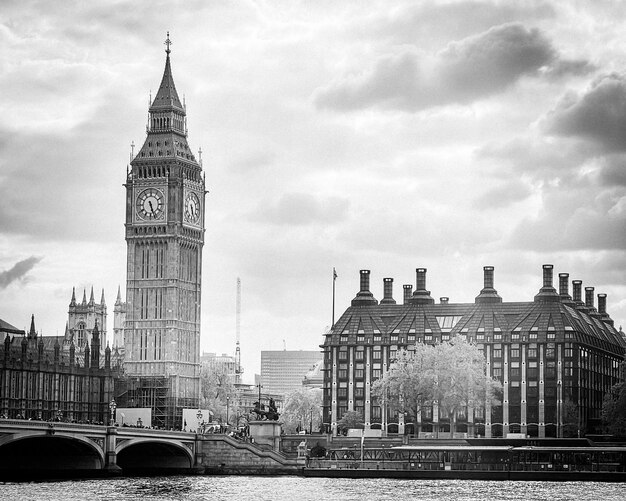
154	393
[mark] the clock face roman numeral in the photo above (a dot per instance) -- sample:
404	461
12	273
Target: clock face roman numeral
150	204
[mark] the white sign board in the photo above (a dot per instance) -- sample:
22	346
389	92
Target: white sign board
133	416
194	418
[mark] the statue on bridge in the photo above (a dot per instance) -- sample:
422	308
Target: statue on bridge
271	414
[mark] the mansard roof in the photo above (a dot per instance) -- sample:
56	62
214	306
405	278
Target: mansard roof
549	317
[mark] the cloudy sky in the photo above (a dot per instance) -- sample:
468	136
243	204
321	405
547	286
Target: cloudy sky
358	135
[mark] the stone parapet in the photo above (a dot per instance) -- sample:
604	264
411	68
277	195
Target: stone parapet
224	455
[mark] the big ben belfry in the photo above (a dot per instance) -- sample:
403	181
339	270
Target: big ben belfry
165	194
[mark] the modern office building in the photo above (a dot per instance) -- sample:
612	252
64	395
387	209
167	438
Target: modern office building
283	371
555	355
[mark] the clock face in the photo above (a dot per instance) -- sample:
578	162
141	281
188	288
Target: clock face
192	208
150	204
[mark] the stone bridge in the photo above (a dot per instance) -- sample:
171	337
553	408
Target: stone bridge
45	447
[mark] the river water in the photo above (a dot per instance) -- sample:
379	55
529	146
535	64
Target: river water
242	488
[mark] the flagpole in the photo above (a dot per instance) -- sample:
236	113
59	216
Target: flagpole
332	325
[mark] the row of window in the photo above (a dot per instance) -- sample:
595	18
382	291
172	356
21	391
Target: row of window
164	122
412	336
515	352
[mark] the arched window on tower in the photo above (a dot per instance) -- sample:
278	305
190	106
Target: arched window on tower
80	334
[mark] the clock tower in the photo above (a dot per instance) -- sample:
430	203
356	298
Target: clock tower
165	194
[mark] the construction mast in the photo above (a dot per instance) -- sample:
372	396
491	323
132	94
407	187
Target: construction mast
238	369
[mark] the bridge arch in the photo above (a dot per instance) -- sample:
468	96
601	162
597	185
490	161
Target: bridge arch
152	454
48	453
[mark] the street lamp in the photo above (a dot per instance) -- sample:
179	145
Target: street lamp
227	406
199	416
112	406
259	386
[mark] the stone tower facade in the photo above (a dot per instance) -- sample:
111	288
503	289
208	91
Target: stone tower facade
165	192
83	317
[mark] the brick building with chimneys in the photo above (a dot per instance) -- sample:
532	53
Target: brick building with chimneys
39	383
556	356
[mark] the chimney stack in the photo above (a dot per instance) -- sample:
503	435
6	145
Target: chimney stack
364	297
602	303
589	302
444	300
408	290
488	294
564	288
547	293
604	316
421	295
388	292
577	293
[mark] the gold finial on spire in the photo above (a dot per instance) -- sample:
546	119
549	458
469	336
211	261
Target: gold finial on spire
167	43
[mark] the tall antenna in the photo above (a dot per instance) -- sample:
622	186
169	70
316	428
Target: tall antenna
238	369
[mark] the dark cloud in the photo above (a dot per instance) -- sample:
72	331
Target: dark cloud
613	171
565	67
579	218
503	196
301	209
598	115
65	184
18	271
473	68
539	157
424	22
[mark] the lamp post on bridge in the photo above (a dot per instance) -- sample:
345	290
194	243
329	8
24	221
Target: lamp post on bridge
259	386
227	408
199	416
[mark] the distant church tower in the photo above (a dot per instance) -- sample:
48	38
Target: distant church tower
82	317
165	194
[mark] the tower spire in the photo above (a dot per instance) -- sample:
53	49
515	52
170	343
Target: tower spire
32	333
167	43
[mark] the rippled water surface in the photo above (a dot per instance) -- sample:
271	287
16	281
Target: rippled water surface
306	489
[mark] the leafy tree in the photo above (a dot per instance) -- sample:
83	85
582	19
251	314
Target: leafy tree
570	419
452	373
217	392
408	383
614	410
350	420
302	408
461	379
